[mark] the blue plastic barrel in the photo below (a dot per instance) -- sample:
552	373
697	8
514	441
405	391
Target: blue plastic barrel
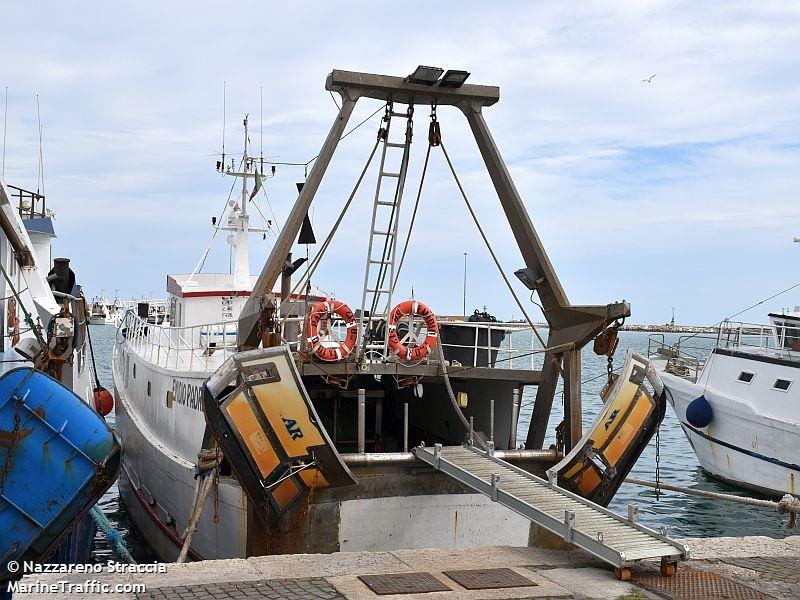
57	458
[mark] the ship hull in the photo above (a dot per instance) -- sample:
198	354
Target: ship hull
739	446
393	507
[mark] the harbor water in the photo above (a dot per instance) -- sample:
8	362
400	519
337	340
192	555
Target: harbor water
683	516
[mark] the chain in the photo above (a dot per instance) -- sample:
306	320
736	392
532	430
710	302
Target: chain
434	131
560	436
605	344
383	130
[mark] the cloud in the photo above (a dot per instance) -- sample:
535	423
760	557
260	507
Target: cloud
620	177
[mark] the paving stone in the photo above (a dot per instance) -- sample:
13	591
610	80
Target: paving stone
782	572
589	582
277	589
757	545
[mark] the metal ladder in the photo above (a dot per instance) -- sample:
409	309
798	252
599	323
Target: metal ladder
380	270
608	536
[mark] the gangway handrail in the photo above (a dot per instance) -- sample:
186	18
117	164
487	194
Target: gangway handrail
669	551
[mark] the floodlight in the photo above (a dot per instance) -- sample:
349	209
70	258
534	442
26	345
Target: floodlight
528	278
453	78
423	75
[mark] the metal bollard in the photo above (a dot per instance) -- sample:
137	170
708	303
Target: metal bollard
362	420
472	431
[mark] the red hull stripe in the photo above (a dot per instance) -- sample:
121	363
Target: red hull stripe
169	532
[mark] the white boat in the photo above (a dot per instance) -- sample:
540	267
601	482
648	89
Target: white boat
99	313
116	310
43	321
740	406
374	404
165	350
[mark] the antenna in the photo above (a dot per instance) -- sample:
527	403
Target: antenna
261	124
41	162
224	114
5	123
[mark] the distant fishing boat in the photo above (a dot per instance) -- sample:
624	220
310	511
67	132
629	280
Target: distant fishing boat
99	312
739	406
48	401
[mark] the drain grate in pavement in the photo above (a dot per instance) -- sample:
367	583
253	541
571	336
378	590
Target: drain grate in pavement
689	584
403	583
274	589
783	569
488	579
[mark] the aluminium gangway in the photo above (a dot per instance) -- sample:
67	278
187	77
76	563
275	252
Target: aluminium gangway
608	536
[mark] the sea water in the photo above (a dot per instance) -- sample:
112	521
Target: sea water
683	516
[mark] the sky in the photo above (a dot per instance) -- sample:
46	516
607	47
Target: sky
679	192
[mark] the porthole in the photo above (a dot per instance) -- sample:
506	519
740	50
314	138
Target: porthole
148	388
134	370
782	384
745	377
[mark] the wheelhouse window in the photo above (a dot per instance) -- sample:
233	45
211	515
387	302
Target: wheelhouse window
745	377
788	333
782	384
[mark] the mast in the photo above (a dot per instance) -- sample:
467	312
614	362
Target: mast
239	220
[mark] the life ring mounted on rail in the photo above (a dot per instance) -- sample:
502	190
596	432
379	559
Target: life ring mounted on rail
331	349
422	348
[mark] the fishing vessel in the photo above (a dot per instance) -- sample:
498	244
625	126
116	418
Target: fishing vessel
116	310
48	399
99	312
739	405
377	380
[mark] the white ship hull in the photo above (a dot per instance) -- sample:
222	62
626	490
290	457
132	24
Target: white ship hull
392	508
753	439
100	320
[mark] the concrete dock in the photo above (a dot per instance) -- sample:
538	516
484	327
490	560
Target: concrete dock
747	568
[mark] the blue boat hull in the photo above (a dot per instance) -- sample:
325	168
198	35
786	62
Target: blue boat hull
57	458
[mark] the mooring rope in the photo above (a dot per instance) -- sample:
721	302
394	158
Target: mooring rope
113	535
787	505
208	462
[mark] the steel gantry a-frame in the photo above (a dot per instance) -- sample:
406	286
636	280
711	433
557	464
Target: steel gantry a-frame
570	326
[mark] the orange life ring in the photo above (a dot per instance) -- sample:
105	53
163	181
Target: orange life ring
322	312
418	309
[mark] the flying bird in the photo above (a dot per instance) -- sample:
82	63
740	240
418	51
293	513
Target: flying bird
650	80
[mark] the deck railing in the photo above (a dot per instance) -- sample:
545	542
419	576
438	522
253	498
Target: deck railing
687	355
31	205
203	347
192	348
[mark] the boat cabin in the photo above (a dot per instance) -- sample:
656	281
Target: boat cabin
206	298
786	328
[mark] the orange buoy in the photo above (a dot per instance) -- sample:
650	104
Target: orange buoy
103	401
420	350
320	314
